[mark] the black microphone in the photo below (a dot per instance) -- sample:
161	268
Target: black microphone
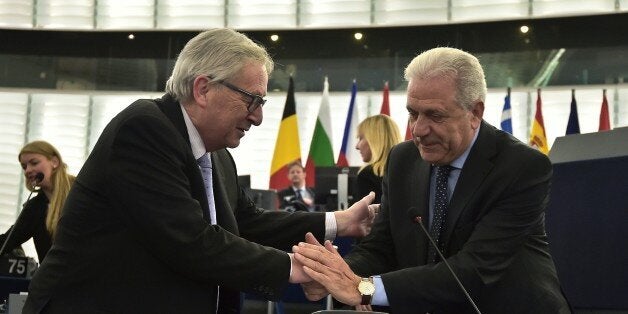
413	212
39	177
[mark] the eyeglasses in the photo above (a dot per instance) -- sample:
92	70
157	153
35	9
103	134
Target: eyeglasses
256	100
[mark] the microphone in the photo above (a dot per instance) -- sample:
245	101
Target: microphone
39	177
413	212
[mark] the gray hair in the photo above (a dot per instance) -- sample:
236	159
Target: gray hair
460	66
219	52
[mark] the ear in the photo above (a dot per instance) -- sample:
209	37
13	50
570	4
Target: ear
478	113
199	90
55	162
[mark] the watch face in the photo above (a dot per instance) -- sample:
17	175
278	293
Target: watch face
366	288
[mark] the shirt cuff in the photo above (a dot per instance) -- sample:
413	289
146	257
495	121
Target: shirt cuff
379	297
291	257
331	227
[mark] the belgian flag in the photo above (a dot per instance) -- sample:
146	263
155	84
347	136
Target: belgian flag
287	147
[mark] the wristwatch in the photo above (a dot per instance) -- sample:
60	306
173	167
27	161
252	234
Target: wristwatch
366	289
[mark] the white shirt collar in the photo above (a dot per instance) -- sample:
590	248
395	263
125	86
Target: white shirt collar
198	147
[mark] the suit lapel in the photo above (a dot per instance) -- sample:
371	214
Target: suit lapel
224	211
475	169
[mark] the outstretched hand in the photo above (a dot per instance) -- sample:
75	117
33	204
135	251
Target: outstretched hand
297	275
357	220
326	266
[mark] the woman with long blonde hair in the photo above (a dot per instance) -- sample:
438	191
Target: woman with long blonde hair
46	174
376	136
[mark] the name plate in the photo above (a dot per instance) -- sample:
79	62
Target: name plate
21	267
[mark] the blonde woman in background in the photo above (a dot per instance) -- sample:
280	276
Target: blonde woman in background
376	136
41	213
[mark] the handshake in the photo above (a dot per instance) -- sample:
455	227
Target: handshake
322	271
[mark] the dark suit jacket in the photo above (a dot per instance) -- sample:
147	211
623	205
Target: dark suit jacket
494	237
288	197
133	237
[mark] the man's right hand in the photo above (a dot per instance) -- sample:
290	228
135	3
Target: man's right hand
297	274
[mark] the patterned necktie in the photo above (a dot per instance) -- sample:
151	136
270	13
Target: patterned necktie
206	171
299	195
440	210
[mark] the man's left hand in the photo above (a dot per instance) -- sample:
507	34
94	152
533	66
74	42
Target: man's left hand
357	220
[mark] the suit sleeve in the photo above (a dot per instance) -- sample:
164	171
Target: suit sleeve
280	229
149	187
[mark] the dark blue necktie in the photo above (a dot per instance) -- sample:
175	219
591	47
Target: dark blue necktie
440	210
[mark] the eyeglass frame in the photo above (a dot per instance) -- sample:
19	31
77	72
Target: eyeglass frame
256	100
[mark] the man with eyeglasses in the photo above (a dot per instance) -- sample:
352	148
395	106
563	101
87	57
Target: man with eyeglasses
156	221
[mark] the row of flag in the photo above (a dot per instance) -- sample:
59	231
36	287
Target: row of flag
288	148
538	138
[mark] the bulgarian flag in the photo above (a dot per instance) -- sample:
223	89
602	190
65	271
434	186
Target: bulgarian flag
287	147
321	151
347	150
538	139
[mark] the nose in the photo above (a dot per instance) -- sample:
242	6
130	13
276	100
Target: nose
28	169
256	116
419	128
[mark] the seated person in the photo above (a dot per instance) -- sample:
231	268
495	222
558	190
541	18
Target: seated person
297	197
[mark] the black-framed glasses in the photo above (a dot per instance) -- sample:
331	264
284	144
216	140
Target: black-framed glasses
256	100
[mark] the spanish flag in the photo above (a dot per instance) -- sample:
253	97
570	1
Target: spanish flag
538	139
287	147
